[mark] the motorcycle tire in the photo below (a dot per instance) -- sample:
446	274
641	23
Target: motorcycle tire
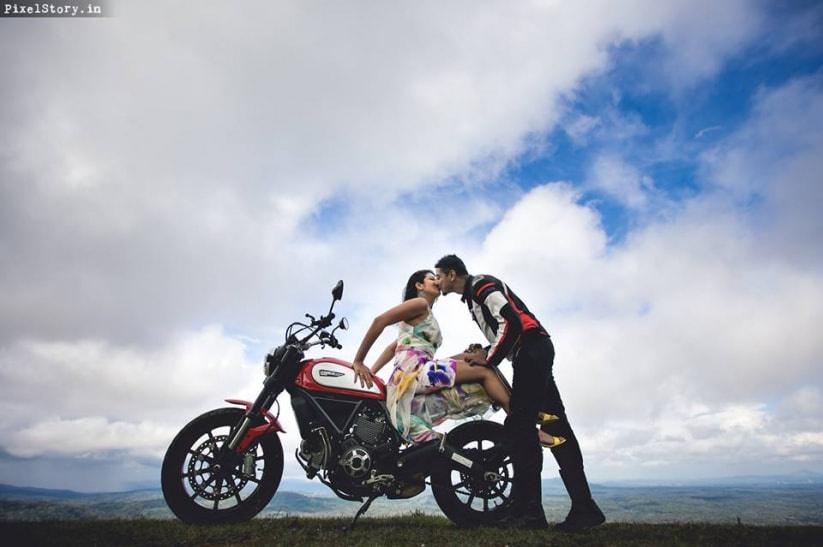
466	501
194	494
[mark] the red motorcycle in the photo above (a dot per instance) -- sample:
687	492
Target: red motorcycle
225	465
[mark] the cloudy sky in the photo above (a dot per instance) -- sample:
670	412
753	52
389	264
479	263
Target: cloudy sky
178	182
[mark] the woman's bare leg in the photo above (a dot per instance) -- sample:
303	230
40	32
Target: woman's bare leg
489	380
493	386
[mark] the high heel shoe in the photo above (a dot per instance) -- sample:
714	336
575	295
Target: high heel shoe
555	442
546	418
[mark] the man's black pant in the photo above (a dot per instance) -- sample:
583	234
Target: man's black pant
534	390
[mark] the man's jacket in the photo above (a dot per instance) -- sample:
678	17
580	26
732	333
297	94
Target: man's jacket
500	314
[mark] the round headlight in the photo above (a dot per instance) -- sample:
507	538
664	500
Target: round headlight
273	360
268	364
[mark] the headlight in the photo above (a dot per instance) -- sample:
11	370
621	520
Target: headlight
273	360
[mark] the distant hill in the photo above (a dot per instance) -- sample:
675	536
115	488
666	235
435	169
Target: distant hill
795	499
27	491
796	478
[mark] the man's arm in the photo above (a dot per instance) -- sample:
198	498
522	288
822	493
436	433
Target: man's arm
508	323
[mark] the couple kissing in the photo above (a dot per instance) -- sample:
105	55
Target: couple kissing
423	391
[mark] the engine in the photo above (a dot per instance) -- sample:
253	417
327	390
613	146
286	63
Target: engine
367	445
371	427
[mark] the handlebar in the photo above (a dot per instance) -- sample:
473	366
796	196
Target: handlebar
324	338
333	343
317	326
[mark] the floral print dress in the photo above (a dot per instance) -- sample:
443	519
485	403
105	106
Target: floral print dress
421	391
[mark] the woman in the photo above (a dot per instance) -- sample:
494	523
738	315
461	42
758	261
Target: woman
417	373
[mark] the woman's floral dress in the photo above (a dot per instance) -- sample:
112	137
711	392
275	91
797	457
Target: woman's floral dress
421	392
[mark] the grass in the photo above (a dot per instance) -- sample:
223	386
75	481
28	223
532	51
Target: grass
415	529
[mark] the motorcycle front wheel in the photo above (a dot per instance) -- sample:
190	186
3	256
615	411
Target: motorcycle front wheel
473	501
194	489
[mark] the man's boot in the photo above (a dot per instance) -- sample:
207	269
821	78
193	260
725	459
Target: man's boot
584	512
525	517
526	512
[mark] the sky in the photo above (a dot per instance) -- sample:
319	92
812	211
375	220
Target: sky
179	182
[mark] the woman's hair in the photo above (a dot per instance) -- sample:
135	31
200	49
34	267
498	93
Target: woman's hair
416	277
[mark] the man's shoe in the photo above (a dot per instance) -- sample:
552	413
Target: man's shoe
530	519
583	515
517	522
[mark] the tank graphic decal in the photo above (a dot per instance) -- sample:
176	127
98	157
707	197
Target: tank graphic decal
339	376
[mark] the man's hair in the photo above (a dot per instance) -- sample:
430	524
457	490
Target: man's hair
452	262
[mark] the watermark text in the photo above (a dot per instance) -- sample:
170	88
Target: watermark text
65	8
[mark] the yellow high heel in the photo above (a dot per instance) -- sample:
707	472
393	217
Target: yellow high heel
556	441
546	418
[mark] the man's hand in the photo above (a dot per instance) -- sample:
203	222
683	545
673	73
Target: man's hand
477	361
362	373
476	355
473	348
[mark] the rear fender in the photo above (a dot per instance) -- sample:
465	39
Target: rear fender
272	425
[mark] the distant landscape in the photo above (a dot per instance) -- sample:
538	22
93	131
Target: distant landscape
780	500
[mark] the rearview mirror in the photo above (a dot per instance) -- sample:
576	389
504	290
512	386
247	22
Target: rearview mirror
337	293
344	324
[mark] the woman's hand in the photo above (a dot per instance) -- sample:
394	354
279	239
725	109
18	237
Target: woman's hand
362	373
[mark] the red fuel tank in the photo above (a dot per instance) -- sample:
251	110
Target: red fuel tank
330	375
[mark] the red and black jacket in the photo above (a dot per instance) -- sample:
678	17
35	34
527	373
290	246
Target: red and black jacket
500	314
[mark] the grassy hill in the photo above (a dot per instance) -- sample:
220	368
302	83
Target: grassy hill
415	529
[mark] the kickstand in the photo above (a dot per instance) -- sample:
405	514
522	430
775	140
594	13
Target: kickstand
363	509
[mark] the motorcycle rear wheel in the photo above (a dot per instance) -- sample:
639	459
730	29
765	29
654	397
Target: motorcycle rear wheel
468	501
198	495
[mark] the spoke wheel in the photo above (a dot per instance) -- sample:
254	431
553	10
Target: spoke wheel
201	487
469	500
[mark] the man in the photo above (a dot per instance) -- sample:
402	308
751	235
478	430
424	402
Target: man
514	332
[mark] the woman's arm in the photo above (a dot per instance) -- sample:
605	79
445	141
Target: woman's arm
384	357
408	310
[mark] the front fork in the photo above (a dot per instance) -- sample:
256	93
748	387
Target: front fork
273	386
246	433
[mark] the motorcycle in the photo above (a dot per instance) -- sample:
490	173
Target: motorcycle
225	465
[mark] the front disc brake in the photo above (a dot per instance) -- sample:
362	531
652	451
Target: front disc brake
200	467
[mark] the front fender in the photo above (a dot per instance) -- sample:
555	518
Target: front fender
254	433
273	422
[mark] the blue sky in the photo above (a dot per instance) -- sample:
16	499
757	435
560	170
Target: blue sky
689	120
632	93
646	175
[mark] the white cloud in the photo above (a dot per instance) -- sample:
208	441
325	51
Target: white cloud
621	181
168	172
580	127
666	353
106	394
88	435
168	168
775	163
671	343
